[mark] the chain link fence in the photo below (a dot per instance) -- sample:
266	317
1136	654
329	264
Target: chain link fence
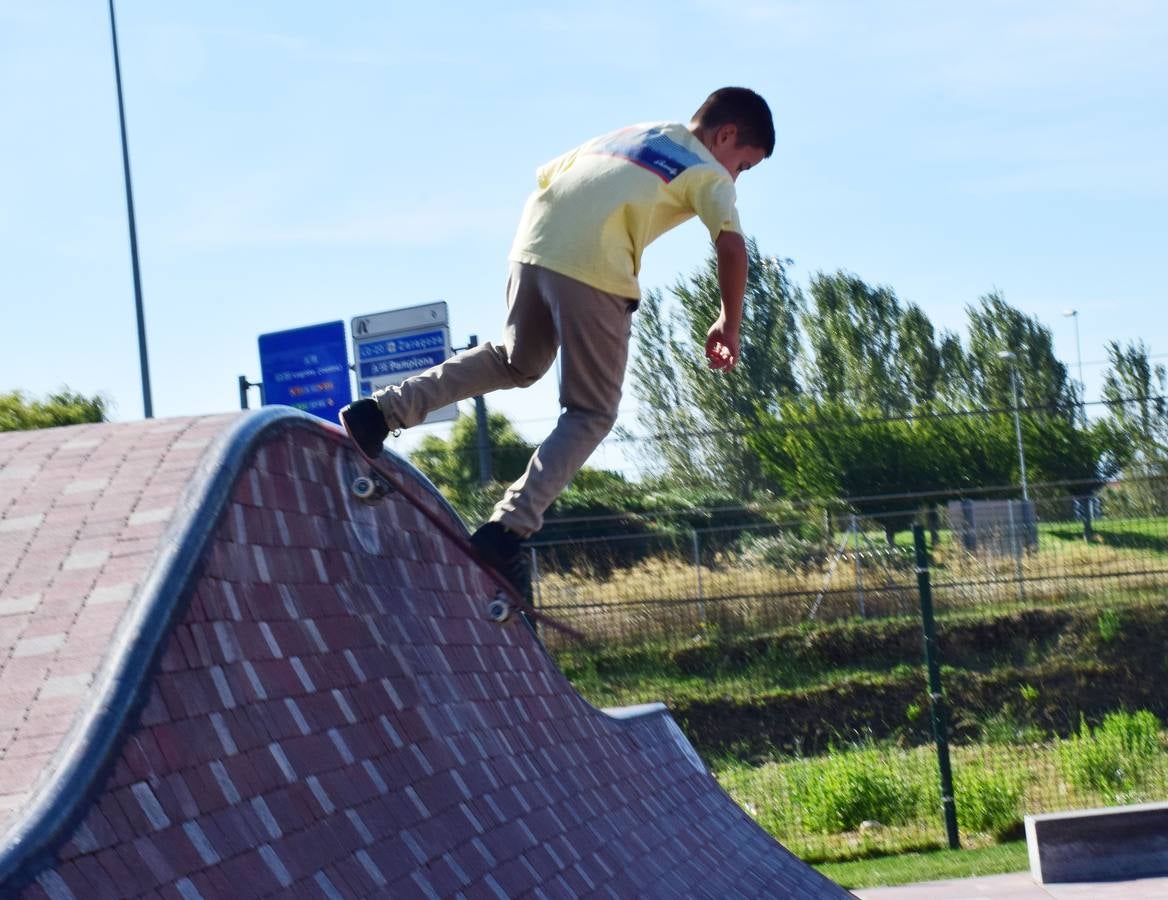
791	652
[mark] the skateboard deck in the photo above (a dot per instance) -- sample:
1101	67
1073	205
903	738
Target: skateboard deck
382	480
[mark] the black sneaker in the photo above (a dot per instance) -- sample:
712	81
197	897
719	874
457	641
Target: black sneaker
366	426
502	549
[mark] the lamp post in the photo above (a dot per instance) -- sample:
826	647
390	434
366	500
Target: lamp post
1088	512
1074	314
143	362
1009	357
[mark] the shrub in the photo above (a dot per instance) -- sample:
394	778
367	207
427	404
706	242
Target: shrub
642	520
1014	723
1115	758
988	801
1110	625
782	550
763	791
20	412
843	790
1007	727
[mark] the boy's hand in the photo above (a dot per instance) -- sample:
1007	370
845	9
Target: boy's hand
721	347
722	340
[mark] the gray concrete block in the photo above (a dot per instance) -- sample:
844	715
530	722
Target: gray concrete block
1098	844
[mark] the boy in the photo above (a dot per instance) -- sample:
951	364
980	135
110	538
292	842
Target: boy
573	286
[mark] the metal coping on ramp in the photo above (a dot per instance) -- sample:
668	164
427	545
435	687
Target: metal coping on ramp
221	675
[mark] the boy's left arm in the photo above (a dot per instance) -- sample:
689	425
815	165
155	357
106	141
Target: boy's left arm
722	339
709	192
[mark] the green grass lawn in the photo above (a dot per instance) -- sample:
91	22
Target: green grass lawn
938	865
1149	534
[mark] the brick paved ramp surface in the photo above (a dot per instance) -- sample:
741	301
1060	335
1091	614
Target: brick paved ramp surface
224	677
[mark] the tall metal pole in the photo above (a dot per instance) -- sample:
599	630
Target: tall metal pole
1074	314
1018	433
144	363
1008	356
484	437
1079	358
1087	499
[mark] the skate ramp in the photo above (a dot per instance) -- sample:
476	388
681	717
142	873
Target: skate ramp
224	676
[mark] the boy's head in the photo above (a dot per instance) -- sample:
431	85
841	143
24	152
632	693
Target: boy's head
735	124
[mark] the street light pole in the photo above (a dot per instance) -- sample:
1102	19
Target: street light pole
1074	314
1088	512
144	363
1009	357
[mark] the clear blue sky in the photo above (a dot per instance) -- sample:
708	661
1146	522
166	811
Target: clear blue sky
300	162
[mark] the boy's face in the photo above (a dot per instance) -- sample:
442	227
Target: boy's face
723	144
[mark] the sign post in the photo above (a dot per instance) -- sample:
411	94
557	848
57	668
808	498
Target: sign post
391	346
307	368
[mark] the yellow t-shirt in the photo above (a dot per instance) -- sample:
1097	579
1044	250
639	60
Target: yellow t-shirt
597	207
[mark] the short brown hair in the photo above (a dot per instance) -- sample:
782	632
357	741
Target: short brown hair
743	108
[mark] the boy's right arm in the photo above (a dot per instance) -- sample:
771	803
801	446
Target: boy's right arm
722	339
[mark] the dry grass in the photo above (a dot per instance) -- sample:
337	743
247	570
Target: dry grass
666	598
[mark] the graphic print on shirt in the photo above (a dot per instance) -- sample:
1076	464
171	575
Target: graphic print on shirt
649	149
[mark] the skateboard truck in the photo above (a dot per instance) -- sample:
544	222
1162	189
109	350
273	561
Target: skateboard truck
370	488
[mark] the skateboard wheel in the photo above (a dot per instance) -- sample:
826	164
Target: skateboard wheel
499	610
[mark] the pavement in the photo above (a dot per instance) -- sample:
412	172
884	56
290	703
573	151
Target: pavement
1018	886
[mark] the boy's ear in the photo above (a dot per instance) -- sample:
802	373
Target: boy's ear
726	135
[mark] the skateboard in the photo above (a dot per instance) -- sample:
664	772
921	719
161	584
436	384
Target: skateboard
380	481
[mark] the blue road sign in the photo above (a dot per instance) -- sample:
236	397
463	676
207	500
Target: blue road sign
307	368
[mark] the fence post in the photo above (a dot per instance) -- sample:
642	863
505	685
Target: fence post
936	698
1015	550
697	558
535	586
859	568
1088	518
483	436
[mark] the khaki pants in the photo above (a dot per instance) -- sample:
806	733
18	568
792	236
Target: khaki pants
546	311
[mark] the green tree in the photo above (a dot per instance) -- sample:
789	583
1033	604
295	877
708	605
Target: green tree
1136	423
1058	445
953	379
919	359
650	518
819	450
19	412
697	418
855	331
453	465
823	449
1061	450
1136	394
995	326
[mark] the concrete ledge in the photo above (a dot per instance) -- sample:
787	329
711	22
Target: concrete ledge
1099	844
